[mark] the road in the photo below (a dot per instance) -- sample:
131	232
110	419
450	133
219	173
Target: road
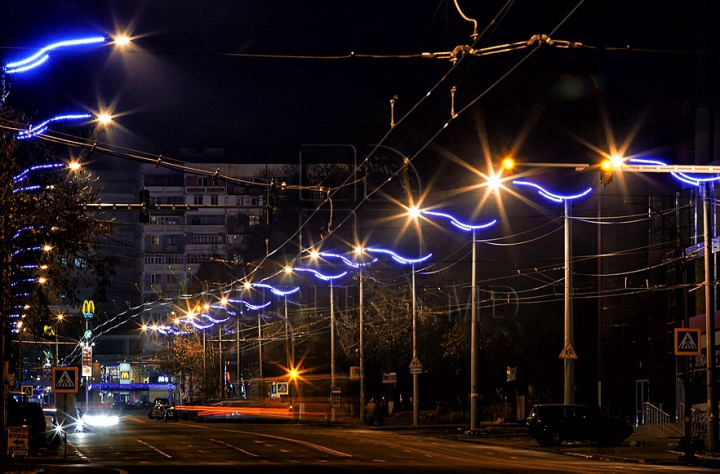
139	445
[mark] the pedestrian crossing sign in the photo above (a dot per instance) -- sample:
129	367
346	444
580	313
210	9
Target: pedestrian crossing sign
687	341
65	379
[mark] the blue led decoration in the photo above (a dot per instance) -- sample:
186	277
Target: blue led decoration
319	274
396	257
276	291
44	166
679	175
41	56
250	306
458	223
345	260
550	195
41	128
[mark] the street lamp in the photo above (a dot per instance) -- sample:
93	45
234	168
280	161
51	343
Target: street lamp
330	279
415	365
474	337
277	292
568	352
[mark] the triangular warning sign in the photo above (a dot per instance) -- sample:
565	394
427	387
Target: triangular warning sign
568	352
65	381
688	343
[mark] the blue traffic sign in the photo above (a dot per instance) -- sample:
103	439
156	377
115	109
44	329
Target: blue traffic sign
687	341
65	379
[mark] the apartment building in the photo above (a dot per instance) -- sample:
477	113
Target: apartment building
212	223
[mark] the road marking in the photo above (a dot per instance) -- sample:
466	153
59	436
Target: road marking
317	447
153	447
233	447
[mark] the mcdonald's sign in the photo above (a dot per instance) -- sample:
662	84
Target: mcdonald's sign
88	309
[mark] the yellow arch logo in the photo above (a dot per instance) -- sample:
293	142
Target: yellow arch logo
88	307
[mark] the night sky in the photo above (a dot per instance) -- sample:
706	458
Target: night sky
178	85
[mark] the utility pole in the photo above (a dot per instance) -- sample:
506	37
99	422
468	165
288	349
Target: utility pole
709	326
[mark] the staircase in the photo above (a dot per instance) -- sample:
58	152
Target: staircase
658	422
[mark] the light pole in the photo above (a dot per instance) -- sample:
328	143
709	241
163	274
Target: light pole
474	350
330	279
415	365
709	326
568	353
277	292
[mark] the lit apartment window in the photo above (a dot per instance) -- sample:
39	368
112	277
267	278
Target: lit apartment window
155	239
254	220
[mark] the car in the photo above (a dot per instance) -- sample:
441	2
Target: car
171	414
158	411
98	417
44	431
551	424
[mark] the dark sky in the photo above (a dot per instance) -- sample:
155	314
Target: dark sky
178	87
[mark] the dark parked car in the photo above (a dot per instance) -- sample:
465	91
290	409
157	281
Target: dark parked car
551	424
44	433
171	414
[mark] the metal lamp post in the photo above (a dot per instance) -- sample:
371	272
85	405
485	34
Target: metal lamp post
330	279
415	365
568	353
474	336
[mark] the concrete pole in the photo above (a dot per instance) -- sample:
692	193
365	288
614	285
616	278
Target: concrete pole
222	365
362	355
569	397
333	413
709	328
416	377
474	355
261	384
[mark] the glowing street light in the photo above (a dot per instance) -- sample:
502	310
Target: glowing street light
415	363
474	337
568	352
330	279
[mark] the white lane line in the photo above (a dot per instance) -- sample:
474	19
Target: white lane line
233	447
300	441
153	447
282	438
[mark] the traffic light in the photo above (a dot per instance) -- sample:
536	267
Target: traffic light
144	200
606	172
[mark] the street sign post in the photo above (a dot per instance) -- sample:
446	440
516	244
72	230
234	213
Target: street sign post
18	440
687	341
65	380
27	390
415	366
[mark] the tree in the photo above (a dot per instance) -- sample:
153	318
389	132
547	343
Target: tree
183	359
48	243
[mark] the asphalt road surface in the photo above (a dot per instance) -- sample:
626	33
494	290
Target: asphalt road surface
139	445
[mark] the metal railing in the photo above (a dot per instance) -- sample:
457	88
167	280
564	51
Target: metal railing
698	422
658	420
